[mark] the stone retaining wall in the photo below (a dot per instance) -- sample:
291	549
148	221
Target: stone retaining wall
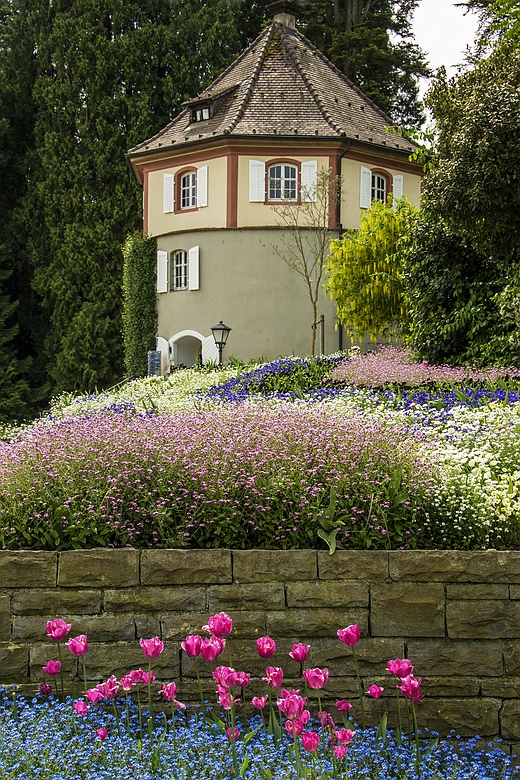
456	615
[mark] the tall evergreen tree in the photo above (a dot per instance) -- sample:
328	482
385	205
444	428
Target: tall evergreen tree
110	73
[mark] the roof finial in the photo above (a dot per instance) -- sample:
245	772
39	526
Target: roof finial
284	12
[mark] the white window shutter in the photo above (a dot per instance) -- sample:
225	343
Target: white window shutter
365	189
397	189
193	268
168	192
162	271
202	186
209	350
256	181
309	180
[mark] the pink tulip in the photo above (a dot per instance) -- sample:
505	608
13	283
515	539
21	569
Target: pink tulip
292	705
94	695
349	635
225	676
345	736
340	751
401	667
148	677
243	679
259	702
212	647
219	625
57	629
326	720
101	733
232	736
274	676
310	741
79	645
80	707
374	691
191	645
152	648
109	688
294	727
226	700
126	683
52	668
169	691
411	688
45	689
299	652
343	705
265	646
136	675
316	678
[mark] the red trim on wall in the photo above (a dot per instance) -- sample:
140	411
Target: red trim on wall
145	203
232	191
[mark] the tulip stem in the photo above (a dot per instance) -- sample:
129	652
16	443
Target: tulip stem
61	673
200	691
360	688
150	712
84	672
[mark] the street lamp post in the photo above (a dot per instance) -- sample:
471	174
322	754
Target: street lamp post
220	334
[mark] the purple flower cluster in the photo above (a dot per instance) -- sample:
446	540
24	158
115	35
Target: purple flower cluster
240	477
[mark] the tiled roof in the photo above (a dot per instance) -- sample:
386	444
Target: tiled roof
280	86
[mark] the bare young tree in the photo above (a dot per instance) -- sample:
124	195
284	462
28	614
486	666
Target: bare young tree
308	231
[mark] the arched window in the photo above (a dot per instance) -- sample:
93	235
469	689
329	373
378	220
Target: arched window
282	182
188	182
179	270
379	187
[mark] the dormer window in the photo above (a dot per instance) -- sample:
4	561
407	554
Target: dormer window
200	114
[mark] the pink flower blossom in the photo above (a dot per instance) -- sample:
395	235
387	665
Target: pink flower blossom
265	646
345	736
101	733
340	751
326	720
374	691
226	700
109	688
401	667
94	695
126	683
299	652
148	677
225	676
259	701
220	625
243	679
45	689
232	736
52	668
152	648
191	645
310	741
274	676
294	727
136	675
316	678
78	645
169	691
80	707
57	629
342	705
349	635
292	705
212	647
411	688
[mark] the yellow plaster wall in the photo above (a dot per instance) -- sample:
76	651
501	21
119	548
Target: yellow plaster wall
260	214
212	215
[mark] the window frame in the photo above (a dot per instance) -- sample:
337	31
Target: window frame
296	164
179	176
179	271
387	178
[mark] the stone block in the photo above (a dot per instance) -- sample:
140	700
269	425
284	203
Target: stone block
23	568
155	600
274	565
102	628
5	618
372	656
511	651
466	716
98	568
510	719
449	686
482	592
501	687
483	619
57	602
482	566
327	593
299	624
14	664
407	609
120	657
245	625
456	658
366	565
261	595
147	626
185	567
